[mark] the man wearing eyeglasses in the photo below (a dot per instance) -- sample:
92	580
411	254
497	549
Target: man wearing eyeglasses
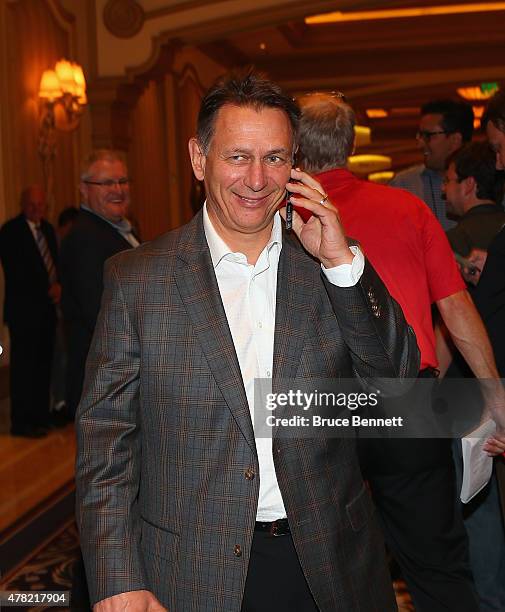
444	127
100	231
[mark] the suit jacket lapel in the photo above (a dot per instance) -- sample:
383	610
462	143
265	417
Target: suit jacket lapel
197	284
33	251
296	279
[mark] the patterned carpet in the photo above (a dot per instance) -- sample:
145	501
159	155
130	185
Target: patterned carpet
49	569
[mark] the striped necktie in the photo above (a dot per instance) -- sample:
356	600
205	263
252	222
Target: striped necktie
45	253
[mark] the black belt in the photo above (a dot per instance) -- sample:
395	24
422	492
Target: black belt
279	527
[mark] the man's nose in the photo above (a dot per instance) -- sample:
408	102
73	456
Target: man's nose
256	178
499	162
117	189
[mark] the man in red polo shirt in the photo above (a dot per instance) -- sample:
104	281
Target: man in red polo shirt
412	480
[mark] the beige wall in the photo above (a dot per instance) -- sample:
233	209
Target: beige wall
35	34
162	121
151	117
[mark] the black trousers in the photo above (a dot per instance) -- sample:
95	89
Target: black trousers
275	580
422	522
31	355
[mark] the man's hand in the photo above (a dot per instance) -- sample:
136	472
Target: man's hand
322	235
496	445
493	393
55	293
470	337
131	601
476	261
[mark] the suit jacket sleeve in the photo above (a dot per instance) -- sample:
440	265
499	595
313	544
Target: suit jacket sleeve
109	451
82	265
381	343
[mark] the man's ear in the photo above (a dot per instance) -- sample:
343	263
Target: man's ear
197	158
456	140
83	189
470	185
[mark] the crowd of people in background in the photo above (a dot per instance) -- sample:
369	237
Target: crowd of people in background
436	238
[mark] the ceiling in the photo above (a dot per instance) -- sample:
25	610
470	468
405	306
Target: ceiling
395	64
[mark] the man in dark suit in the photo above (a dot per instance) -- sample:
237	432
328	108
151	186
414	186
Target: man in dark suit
180	504
100	231
28	251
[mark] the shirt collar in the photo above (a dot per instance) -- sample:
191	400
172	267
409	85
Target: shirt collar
123	226
32	224
218	247
433	174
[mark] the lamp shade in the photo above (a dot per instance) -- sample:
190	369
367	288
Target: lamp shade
65	72
50	87
80	83
478	92
381	177
366	164
363	135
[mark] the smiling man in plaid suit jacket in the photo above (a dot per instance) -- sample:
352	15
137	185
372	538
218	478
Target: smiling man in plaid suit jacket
180	506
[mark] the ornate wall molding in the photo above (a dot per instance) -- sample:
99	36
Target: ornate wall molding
123	18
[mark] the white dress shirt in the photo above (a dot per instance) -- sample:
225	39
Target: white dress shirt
249	293
33	228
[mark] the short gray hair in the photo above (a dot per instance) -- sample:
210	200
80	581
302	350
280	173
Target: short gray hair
110	155
325	132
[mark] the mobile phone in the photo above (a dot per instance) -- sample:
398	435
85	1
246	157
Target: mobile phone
289	212
303	212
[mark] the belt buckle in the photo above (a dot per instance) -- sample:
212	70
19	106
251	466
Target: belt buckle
275	529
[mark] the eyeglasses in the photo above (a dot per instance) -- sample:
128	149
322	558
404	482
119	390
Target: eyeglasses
426	134
110	183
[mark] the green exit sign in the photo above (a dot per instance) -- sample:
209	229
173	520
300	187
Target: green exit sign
489	88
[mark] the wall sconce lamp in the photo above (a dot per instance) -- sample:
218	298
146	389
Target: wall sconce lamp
64	88
62	95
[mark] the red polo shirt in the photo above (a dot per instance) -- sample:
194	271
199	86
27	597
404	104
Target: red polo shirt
405	244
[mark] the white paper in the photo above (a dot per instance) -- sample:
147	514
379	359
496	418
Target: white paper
477	465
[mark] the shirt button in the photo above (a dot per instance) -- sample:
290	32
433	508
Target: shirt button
260	324
268	373
249	474
237	551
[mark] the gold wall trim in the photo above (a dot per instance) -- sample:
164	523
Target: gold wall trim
178	7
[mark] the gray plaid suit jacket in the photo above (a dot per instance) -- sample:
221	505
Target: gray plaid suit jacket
165	435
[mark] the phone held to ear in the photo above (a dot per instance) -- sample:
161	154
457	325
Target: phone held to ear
289	212
303	212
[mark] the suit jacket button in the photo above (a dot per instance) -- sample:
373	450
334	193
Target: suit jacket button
237	551
249	474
